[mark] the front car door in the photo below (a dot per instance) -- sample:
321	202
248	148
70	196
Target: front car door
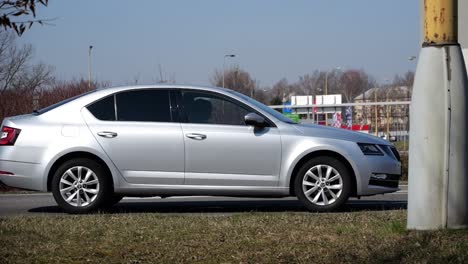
220	149
141	134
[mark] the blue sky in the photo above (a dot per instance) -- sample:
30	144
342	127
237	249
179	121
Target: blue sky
272	39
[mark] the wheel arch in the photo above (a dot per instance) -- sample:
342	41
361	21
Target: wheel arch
74	155
323	153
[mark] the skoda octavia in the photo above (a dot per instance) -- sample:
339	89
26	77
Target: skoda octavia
94	149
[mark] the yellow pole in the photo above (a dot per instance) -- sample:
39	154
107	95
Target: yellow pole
440	22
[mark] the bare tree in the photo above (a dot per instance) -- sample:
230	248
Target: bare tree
281	89
404	80
19	78
354	82
16	70
20	15
309	84
13	60
236	79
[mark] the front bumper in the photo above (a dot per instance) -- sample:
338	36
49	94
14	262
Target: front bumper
24	175
372	175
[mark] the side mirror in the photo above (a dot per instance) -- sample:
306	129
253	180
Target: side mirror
253	119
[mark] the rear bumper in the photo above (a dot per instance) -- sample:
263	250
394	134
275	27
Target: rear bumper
24	175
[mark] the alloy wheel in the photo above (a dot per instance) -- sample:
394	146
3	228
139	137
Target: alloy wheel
79	186
322	185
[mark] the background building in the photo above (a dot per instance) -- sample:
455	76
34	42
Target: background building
395	118
317	114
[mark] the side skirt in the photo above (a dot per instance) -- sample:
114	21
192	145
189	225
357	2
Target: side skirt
142	190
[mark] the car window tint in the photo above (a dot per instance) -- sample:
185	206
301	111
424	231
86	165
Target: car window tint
103	109
206	108
144	105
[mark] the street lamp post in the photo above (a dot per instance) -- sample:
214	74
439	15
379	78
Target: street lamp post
326	92
224	63
89	65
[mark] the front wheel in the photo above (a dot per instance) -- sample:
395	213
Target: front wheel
323	184
81	186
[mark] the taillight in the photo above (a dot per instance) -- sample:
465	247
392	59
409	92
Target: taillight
9	136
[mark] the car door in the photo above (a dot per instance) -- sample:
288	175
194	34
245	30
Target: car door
141	134
220	149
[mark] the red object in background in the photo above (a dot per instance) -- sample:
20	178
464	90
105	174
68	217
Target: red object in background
363	128
356	127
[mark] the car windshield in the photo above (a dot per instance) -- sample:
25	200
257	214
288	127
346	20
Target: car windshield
263	107
50	107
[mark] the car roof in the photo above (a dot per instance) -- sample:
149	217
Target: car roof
92	96
163	86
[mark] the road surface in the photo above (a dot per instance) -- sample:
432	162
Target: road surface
44	204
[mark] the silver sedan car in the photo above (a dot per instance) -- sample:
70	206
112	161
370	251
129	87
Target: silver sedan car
94	149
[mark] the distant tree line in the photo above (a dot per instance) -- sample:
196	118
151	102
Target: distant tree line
349	83
26	86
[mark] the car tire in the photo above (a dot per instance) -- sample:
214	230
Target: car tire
323	184
81	186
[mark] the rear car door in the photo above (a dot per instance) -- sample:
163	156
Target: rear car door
220	149
140	132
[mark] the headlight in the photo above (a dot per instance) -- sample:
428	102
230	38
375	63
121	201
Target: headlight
370	149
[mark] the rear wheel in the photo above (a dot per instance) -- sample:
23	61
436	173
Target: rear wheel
81	186
323	184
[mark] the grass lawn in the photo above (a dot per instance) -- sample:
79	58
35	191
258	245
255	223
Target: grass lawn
355	237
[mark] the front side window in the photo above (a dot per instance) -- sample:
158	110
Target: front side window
207	108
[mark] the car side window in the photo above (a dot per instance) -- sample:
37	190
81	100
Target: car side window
103	109
207	108
144	106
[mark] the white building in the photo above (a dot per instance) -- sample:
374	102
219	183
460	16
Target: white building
317	113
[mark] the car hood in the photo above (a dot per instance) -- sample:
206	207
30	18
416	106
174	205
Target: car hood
338	133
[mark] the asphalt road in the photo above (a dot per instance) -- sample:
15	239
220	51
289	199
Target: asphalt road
44	204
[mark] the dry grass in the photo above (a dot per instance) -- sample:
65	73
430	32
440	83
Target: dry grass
357	237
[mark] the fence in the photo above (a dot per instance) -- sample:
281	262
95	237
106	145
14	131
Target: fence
388	120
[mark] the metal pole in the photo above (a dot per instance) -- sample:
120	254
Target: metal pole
441	22
376	111
326	93
438	149
89	66
388	120
224	67
224	63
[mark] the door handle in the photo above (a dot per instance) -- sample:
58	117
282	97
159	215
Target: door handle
107	134
196	136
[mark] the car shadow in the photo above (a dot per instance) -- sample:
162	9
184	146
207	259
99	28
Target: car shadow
231	206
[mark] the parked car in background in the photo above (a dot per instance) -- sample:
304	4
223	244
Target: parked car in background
94	149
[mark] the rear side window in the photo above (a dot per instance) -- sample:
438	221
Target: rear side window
103	109
144	106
